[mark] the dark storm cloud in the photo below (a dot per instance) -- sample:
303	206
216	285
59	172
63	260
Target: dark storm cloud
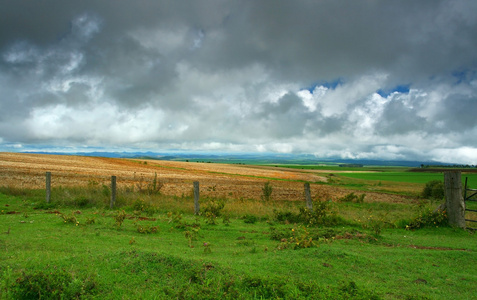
233	75
399	118
285	118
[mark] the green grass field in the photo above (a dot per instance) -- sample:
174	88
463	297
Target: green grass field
410	177
81	252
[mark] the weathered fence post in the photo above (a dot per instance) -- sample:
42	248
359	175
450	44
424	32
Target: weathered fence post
48	187
196	198
113	192
454	200
309	203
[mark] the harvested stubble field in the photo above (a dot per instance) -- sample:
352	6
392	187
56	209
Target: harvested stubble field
216	180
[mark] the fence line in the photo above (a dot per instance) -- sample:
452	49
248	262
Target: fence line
308	199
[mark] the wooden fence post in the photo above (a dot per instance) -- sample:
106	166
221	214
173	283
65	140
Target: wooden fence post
454	201
309	203
48	187
113	192
196	198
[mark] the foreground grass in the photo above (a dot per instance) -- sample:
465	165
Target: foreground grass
188	258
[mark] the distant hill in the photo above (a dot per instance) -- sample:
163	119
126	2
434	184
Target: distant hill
249	158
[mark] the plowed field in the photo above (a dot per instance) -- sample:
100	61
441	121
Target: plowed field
220	180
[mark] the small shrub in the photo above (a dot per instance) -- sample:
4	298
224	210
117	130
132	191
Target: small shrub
69	219
214	206
320	215
429	218
226	220
119	218
90	221
191	235
250	219
213	209
174	217
376	226
279	234
375	223
433	190
210	218
300	238
267	191
286	217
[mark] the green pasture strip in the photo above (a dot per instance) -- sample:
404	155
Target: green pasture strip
396	176
411	177
338	168
241	261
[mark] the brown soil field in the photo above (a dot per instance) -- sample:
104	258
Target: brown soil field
216	180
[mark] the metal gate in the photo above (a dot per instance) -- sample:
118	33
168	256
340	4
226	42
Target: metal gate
470	201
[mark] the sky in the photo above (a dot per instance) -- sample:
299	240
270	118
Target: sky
369	79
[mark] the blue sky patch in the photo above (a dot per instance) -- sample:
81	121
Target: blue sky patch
327	84
463	76
403	89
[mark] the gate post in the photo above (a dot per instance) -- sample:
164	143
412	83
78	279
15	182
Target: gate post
454	200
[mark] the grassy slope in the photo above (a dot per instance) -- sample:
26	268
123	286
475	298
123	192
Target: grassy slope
127	264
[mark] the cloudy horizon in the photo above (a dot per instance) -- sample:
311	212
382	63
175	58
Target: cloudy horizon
371	79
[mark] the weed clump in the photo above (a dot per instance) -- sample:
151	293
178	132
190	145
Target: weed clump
300	238
428	218
150	188
352	197
191	235
146	229
267	192
320	215
69	218
141	206
119	218
212	210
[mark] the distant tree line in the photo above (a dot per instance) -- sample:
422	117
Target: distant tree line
449	166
